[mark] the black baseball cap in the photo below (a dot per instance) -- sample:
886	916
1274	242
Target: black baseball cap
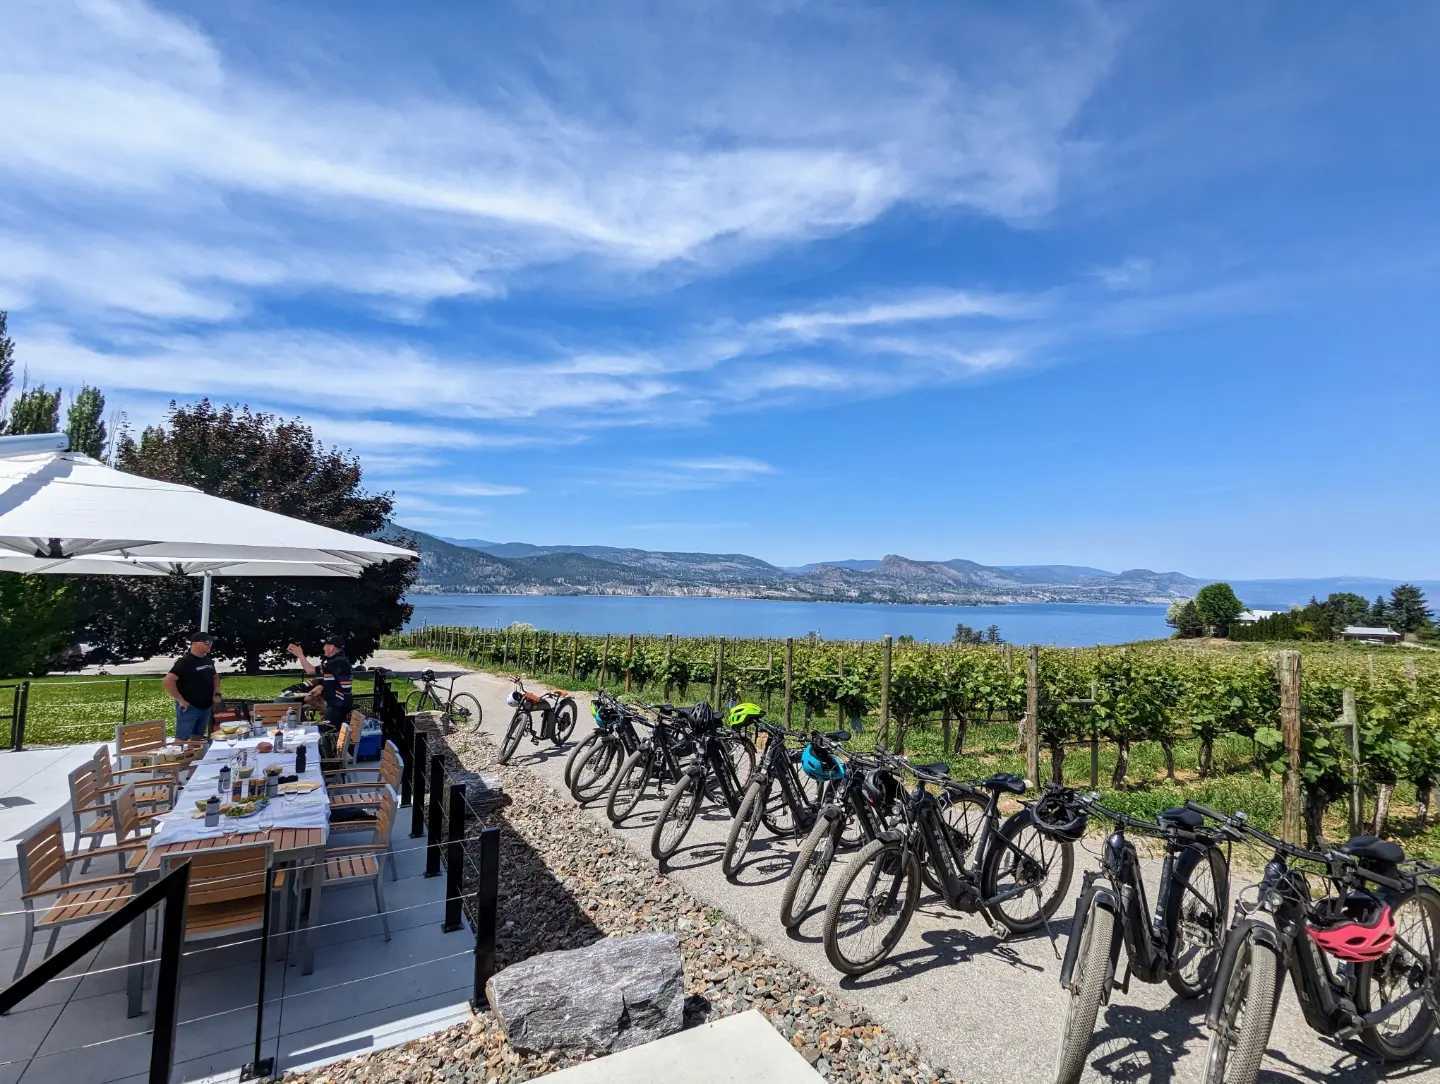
334	638
201	637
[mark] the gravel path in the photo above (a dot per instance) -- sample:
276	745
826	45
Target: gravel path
993	1018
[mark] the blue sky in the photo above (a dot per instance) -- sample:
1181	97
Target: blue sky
1123	285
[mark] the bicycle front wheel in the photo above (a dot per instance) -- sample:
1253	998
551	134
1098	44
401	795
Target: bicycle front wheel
813	862
519	722
870	907
1028	868
676	817
463	713
743	827
629	786
1246	1015
596	771
1092	970
575	754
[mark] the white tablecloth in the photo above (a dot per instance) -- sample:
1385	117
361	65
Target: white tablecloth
284	811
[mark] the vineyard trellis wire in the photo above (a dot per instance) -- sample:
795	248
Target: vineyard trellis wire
1355	720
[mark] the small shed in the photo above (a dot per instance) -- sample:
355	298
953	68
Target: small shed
1375	635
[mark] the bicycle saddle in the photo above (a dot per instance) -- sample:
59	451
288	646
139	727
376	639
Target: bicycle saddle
1373	851
1181	817
938	768
838	735
1005	781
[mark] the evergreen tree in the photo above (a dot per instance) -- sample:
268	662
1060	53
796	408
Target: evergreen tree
1188	623
1379	617
84	423
1407	610
36	411
1348	608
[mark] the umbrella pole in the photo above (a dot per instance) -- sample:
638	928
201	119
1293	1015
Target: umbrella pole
205	605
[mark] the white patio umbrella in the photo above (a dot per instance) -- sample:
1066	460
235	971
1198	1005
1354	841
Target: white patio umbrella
65	513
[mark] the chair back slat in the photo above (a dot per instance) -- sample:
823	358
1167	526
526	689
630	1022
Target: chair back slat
269	714
84	789
42	855
125	812
385	819
391	768
224	873
139	739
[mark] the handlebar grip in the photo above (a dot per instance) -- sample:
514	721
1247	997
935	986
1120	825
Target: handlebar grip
1207	811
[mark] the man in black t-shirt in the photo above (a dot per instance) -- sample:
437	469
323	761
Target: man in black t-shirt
334	679
194	684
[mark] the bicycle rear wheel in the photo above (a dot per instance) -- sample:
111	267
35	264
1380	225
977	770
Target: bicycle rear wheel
1412	964
596	770
565	714
575	754
742	828
813	862
963	817
870	907
1032	861
629	786
1199	899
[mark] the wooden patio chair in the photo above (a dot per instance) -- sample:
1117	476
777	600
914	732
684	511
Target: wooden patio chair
94	813
226	894
45	872
344	757
139	745
151	788
269	715
352	793
362	864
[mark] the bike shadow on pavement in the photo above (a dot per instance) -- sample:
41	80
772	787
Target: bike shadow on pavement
769	862
943	948
1132	1043
1353	1064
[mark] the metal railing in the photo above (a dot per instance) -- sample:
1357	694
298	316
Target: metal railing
19	705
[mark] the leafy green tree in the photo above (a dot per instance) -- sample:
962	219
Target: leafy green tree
35	411
35	621
1348	608
7	364
85	424
1188	624
271	463
964	634
1218	607
1407	609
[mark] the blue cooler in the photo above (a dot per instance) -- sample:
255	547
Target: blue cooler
371	740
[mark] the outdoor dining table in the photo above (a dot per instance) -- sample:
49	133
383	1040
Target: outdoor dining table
297	826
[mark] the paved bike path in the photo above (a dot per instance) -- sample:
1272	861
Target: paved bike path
988	1010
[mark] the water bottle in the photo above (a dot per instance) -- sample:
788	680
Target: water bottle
224	787
300	759
280	739
212	811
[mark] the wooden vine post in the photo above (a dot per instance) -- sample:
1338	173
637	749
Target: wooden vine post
550	661
769	673
604	661
505	657
719	672
1288	665
669	657
1032	715
629	659
887	659
789	679
1350	718
574	655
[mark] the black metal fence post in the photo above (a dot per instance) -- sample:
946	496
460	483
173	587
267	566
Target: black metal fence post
455	859
417	765
437	831
261	1067
487	897
167	982
17	721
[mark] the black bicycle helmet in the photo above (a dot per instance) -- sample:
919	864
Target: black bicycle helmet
881	787
1058	816
428	675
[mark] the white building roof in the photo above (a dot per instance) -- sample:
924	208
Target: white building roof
1366	630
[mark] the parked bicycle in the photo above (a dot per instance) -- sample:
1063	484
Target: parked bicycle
557	713
457	711
855	812
1179	942
615	738
1364	958
658	760
993	873
719	766
776	795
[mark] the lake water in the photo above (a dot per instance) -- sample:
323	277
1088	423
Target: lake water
1031	623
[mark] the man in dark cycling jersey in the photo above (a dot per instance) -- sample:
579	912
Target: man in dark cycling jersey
332	675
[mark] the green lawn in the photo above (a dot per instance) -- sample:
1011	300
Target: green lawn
70	710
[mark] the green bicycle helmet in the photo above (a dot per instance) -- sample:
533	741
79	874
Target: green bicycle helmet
741	714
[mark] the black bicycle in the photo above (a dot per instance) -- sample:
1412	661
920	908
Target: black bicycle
992	871
777	795
858	810
659	759
1180	944
614	739
557	712
1365	961
719	766
457	711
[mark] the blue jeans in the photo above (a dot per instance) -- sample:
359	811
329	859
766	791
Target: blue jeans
192	722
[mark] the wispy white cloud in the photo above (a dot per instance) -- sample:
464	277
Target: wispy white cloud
676	475
919	307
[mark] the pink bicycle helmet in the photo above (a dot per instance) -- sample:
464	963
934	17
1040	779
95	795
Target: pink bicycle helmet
1358	928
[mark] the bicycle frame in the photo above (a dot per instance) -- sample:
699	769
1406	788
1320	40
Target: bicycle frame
961	882
710	760
1279	919
777	766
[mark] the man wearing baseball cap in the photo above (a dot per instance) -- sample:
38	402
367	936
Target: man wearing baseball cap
334	677
194	684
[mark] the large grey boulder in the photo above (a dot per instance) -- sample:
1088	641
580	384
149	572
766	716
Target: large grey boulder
612	995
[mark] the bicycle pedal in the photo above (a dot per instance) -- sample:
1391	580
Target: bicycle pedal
998	930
